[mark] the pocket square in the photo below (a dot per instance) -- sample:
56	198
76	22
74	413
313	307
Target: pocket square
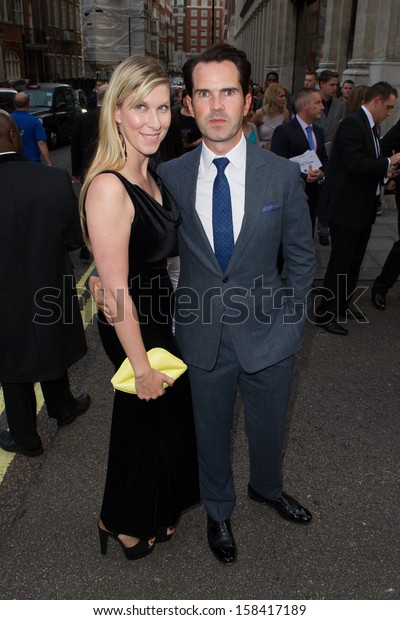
268	208
160	359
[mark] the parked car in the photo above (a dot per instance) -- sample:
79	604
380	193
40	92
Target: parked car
7	99
54	105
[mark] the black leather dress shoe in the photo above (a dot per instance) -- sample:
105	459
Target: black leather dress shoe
331	326
8	444
379	301
221	541
286	506
82	404
324	239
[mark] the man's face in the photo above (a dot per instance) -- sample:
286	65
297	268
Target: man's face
346	89
329	89
313	109
381	109
218	104
310	81
271	79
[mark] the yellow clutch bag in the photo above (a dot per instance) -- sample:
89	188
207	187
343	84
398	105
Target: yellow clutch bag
160	359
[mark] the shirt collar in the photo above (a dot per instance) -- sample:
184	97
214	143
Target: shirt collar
368	115
237	156
302	123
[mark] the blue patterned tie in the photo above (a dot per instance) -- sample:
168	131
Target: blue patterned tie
222	215
310	137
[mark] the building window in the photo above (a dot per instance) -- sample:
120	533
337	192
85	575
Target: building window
17	12
4	11
180	29
193	32
193	42
204	13
59	66
204	23
193	22
193	13
12	65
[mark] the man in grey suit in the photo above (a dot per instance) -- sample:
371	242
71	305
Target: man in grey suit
236	322
334	111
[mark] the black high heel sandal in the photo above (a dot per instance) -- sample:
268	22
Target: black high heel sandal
138	551
162	533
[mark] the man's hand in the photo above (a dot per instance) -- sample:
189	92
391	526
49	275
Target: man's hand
394	168
97	292
314	175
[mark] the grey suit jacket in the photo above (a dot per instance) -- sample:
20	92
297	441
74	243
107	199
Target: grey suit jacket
329	123
266	319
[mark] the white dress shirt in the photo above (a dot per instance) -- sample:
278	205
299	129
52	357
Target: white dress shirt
377	145
304	126
235	173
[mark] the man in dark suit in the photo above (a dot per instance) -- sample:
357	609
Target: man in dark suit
84	137
85	134
390	143
41	331
236	324
301	134
349	201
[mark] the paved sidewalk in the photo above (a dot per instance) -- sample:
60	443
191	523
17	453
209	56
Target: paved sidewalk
384	233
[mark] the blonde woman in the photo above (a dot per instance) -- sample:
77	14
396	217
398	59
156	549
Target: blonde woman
273	112
130	222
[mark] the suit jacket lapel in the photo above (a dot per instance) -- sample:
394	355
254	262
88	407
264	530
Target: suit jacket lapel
300	135
253	201
368	131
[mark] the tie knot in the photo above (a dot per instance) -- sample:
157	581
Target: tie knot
309	129
221	163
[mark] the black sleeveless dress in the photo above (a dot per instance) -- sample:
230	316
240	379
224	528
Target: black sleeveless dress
152	471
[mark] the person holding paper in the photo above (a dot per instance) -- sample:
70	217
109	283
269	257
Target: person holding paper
301	140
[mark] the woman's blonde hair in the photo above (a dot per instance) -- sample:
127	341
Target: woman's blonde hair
356	98
271	100
138	75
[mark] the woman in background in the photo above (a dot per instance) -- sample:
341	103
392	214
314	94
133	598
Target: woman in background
273	112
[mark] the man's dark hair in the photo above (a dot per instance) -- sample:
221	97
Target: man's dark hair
314	73
348	82
383	90
219	53
274	73
303	96
327	75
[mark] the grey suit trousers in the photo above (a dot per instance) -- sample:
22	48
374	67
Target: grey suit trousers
265	396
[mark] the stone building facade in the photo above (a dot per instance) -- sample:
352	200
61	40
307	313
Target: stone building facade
358	38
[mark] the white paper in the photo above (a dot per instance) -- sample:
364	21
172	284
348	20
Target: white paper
307	159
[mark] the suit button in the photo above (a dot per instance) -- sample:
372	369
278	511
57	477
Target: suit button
225	280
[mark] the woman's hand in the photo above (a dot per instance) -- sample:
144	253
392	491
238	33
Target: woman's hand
149	385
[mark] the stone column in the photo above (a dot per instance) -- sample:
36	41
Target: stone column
337	30
376	50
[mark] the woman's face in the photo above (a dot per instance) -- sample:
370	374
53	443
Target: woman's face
281	98
144	126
